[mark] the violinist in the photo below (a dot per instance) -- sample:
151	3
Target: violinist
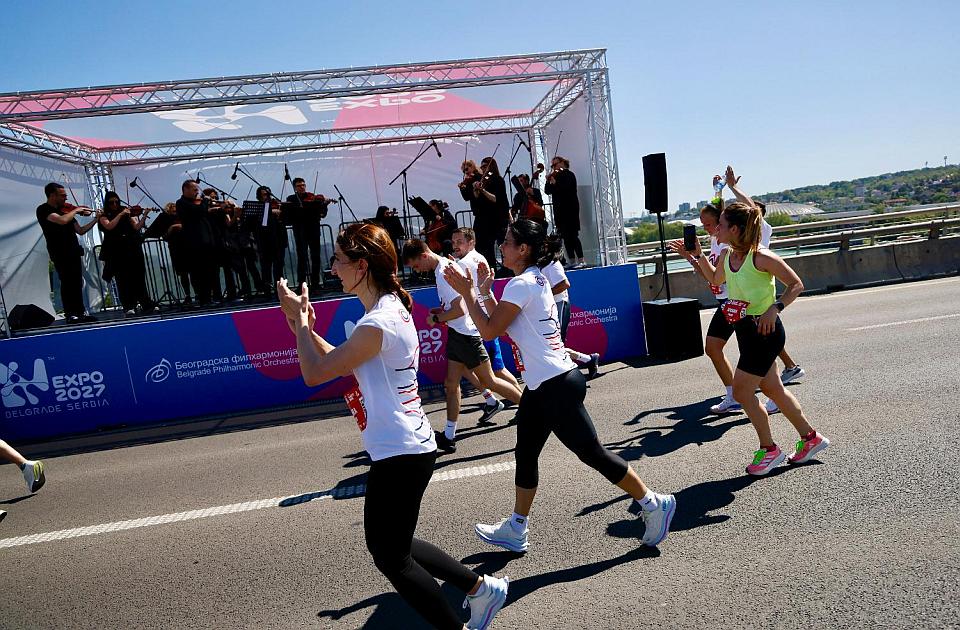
487	193
387	218
58	220
439	232
528	202
221	216
241	247
122	254
197	241
271	236
562	186
306	211
174	239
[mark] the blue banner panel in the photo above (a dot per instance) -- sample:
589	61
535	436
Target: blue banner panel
131	374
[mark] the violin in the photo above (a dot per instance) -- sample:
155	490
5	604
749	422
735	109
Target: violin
536	173
81	210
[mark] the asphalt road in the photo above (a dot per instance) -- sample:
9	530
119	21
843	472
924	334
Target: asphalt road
867	537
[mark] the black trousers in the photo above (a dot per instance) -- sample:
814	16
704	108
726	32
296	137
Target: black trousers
70	270
395	488
204	277
130	274
571	241
306	236
557	407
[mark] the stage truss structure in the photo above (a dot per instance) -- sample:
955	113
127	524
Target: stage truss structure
567	76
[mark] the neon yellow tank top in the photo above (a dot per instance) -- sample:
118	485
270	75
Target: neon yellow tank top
749	284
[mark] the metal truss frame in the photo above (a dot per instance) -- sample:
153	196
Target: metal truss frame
574	74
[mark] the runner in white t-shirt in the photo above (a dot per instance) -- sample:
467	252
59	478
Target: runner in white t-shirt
555	389
464	242
383	354
465	351
560	285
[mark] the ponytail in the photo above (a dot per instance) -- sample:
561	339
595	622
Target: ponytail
749	221
550	250
370	242
526	232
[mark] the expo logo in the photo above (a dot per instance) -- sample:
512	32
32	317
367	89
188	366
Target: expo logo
82	385
430	340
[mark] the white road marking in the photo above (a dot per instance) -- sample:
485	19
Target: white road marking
901	323
345	492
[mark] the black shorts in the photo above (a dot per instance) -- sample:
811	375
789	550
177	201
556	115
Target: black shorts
465	349
758	352
719	327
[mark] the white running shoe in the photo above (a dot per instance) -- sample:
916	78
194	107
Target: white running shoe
658	521
486	603
33	475
771	407
503	535
727	405
790	375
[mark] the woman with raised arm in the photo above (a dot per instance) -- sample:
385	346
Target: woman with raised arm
383	354
552	401
754	311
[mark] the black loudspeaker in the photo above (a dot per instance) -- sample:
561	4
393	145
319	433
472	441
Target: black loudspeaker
655	182
25	316
673	328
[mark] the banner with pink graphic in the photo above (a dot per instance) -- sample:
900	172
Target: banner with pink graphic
196	367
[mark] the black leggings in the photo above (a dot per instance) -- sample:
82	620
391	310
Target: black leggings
557	407
571	241
395	487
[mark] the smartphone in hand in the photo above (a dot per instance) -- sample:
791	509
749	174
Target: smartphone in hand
690	237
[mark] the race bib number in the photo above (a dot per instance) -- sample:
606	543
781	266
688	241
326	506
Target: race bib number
517	357
355	403
735	310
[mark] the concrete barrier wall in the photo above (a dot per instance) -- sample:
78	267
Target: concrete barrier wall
835	270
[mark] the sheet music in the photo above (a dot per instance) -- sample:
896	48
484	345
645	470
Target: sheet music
266	214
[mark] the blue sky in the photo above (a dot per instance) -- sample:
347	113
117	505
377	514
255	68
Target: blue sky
791	94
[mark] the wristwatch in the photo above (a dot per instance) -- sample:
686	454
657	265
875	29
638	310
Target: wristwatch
780	305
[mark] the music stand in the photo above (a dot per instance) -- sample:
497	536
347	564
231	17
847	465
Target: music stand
423	208
253	210
159	226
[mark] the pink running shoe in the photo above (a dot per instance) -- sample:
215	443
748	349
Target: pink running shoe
806	449
764	461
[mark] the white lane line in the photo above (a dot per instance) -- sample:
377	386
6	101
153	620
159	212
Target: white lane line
235	508
901	323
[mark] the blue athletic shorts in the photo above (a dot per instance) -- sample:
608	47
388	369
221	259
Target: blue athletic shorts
493	349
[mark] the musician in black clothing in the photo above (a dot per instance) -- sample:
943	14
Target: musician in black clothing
198	241
562	186
305	211
521	208
487	193
174	239
271	236
60	230
387	219
242	251
220	219
122	254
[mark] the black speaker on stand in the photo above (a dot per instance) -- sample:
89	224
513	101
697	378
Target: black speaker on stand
672	325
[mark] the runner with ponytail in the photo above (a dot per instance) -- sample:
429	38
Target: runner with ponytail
552	401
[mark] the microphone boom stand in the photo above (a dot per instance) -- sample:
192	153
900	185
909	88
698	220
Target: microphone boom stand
403	186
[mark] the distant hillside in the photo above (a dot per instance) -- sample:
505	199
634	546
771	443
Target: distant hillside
906	188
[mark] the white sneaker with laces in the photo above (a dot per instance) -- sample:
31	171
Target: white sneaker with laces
727	405
658	521
771	407
487	602
503	534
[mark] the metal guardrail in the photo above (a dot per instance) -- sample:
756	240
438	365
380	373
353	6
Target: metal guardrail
842	239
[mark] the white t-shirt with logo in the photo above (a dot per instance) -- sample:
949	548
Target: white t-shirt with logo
555	274
470	262
536	329
720	292
396	424
463	324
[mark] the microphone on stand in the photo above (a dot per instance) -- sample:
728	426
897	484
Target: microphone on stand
133	184
286	173
235	169
197	180
436	148
524	144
